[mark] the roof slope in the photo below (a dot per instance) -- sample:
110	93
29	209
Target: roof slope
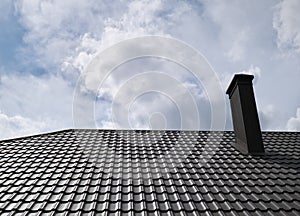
171	172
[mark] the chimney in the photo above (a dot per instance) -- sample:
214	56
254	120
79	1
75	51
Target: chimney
244	115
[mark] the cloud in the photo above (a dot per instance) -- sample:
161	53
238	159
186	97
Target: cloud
266	116
237	51
16	126
30	104
72	43
54	29
286	22
119	28
60	38
293	123
64	35
135	92
153	19
238	27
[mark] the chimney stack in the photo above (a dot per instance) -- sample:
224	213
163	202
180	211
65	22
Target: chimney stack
244	115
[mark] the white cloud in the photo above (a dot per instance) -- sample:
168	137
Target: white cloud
293	123
139	19
16	126
30	104
287	24
234	28
128	26
266	116
54	29
96	31
135	98
237	51
62	37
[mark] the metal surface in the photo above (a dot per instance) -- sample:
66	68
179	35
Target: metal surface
53	174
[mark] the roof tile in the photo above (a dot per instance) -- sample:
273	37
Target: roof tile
91	172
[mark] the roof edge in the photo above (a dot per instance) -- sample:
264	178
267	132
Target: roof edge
78	129
34	135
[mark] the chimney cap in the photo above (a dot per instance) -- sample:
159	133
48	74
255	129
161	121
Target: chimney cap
239	79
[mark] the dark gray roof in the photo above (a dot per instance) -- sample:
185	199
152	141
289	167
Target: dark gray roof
148	172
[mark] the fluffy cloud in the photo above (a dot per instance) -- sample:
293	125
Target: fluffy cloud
54	29
237	51
151	20
16	126
72	41
266	116
64	35
32	104
136	90
294	122
287	24
61	38
241	28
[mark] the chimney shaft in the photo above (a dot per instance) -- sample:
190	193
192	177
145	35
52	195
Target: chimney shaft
244	114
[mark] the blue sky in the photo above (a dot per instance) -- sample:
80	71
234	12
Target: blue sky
45	47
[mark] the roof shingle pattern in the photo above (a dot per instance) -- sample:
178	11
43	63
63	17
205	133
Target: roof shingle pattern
100	172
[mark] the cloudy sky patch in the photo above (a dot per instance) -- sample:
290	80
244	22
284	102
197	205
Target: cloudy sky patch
45	47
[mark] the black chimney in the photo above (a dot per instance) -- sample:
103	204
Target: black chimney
244	114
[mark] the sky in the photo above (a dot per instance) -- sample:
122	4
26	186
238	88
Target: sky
47	47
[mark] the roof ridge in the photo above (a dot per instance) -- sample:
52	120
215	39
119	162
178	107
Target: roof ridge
35	135
95	129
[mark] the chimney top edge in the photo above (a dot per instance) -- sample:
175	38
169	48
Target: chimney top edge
239	79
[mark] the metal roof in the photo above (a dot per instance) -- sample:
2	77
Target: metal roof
99	172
